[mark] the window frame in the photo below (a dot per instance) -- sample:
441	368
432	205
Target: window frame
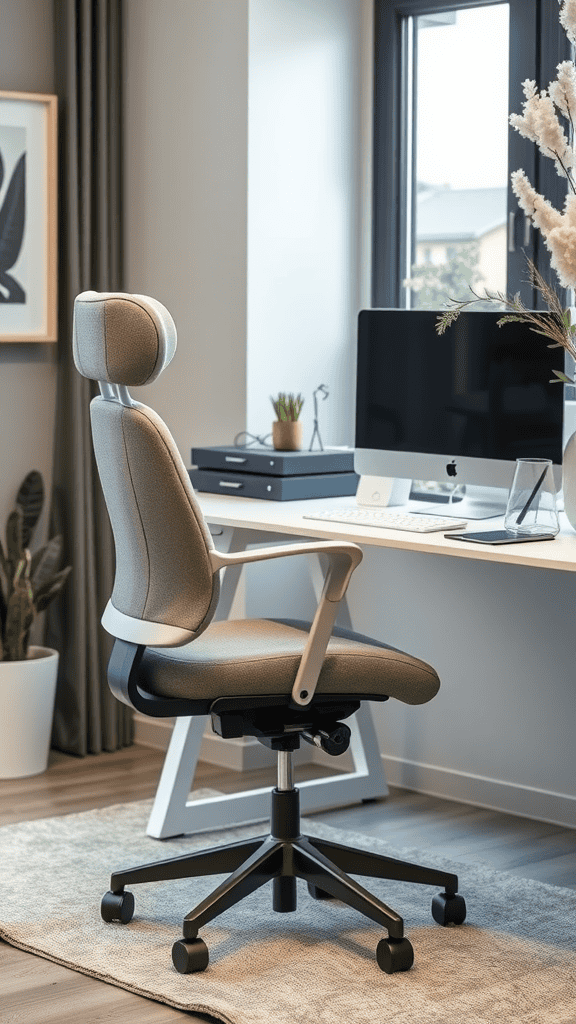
537	44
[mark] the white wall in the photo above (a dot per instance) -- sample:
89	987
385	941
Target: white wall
306	140
27	371
309	192
186	86
247	177
500	732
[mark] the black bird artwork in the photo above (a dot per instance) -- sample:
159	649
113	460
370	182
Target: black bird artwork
12	215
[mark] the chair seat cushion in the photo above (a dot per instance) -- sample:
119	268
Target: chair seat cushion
252	657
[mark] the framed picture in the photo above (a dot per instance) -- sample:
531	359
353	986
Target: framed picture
28	217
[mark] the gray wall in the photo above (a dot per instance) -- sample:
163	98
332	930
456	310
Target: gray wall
186	199
27	371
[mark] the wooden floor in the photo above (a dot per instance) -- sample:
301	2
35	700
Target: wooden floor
36	991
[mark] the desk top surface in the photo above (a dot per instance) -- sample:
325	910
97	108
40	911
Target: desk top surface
286	517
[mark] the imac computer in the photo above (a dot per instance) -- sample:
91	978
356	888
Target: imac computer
460	407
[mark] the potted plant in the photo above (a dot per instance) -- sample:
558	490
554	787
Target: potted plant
28	673
287	430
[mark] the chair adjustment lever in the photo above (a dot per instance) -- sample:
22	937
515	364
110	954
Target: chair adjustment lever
334	742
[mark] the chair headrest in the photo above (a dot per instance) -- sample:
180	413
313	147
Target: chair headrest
122	338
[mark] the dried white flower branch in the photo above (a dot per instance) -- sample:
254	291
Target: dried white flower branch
555	324
563	91
568	19
539	122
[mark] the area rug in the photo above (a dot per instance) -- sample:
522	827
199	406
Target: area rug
513	961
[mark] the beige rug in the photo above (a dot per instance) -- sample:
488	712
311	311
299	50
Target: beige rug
513	961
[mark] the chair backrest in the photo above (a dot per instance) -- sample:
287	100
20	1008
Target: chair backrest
163	570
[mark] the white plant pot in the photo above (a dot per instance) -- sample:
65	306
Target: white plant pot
569	480
27	692
569	464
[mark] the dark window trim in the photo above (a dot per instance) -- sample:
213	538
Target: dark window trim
537	44
404	7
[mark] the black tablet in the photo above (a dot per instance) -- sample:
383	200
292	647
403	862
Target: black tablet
499	537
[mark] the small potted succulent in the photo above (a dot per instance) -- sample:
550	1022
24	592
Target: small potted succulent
287	430
28	673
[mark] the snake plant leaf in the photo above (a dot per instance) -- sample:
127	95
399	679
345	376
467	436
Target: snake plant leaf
2	617
3	561
51	589
5	570
30	499
12	216
22	574
19	617
31	581
46	561
14	543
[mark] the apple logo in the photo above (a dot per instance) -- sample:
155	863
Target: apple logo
451	468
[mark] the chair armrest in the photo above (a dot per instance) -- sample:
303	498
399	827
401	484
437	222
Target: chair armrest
343	557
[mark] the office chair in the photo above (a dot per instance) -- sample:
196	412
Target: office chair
282	681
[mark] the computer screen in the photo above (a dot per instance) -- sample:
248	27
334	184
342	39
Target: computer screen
463	405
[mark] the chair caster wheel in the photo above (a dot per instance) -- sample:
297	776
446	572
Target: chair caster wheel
394	955
117	906
190	955
319	894
448	909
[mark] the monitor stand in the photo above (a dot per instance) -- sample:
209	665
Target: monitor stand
478	503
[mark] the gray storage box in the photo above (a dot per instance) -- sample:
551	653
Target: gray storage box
275	488
271	462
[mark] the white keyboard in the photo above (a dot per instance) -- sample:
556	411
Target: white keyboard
387	520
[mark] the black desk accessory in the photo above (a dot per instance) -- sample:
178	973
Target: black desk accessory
323	390
499	536
537	487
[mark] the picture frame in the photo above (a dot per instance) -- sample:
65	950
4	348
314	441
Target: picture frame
28	217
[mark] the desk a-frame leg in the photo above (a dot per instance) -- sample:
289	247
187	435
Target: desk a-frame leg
174	813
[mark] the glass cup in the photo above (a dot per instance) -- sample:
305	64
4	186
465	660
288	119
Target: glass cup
531	507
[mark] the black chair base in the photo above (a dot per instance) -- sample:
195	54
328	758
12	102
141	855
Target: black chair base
282	857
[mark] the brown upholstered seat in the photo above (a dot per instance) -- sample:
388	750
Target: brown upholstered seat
261	656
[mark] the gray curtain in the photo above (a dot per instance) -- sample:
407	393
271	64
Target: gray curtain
88	52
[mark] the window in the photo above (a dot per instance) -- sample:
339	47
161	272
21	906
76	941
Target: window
447	75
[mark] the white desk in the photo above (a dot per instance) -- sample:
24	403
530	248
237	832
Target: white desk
245	521
286	518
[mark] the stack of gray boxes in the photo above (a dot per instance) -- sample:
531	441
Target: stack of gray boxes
256	472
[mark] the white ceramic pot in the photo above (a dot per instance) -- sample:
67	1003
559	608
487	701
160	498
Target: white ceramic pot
27	692
569	465
569	480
